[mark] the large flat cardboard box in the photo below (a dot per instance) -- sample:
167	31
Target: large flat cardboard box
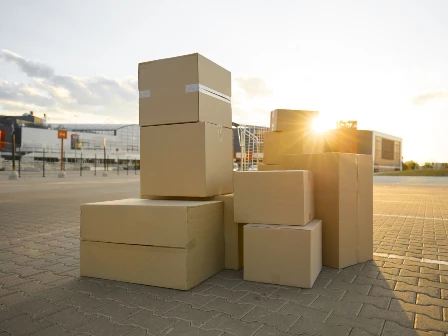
283	255
343	200
184	89
342	141
191	160
279	144
274	197
233	238
283	120
167	223
268	167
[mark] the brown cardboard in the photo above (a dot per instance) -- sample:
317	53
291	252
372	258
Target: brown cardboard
365	207
283	255
345	238
342	141
266	167
292	120
192	160
273	197
165	223
169	92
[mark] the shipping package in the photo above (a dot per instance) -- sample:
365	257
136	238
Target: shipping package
172	244
184	89
283	255
283	120
273	197
342	141
267	167
192	160
342	201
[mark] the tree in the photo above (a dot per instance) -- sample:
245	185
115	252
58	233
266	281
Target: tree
410	165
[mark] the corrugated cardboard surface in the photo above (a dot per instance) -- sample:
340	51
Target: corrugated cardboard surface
283	255
365	208
337	202
342	141
191	160
292	120
266	167
178	268
278	144
170	104
149	222
273	197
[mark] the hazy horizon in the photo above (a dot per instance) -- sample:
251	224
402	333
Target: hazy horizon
381	63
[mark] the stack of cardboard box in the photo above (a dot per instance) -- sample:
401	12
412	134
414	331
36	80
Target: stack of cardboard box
172	237
290	133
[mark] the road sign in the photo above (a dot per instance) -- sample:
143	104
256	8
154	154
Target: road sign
62	134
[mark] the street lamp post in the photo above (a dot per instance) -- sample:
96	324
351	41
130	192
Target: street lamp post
13	175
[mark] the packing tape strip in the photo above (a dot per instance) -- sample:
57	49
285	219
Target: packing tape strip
144	94
206	90
220	132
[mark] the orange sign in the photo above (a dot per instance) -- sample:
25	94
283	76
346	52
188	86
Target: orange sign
62	134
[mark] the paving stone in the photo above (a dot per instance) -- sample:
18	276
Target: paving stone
137	332
69	318
230	295
425	323
88	287
27	271
331	293
195	300
113	310
232	326
38	307
228	274
103	327
195	316
54	330
380	302
266	302
8	314
292	308
161	293
361	289
226	283
82	301
255	287
31	287
434	312
343	308
13	298
303	299
268	330
334	274
412	268
156	305
428	276
382	292
147	320
405	319
394	329
236	310
201	288
183	328
371	325
47	277
432	284
23	325
385	283
434	292
123	296
406	279
282	322
309	326
13	280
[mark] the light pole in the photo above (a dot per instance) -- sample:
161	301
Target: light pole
13	175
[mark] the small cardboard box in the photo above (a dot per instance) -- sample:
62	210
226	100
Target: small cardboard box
283	255
184	89
233	241
268	167
343	200
292	120
167	223
274	197
191	160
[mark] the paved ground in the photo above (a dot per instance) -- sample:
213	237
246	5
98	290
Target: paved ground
403	291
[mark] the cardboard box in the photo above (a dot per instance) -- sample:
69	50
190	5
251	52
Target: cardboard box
165	223
279	144
193	160
268	167
342	141
292	120
184	89
232	235
342	199
283	255
273	197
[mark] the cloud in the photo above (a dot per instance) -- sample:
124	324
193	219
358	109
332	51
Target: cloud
426	97
61	96
253	87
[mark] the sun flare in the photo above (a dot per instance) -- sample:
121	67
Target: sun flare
320	125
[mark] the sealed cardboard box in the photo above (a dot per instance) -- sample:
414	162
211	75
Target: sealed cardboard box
232	235
274	197
283	120
192	160
184	89
166	223
267	167
342	199
283	255
342	141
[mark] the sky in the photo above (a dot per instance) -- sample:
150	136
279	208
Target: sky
382	63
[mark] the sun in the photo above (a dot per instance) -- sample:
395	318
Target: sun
320	125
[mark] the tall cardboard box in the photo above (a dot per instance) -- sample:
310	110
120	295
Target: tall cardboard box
184	89
274	197
283	255
343	200
173	244
267	167
283	120
192	160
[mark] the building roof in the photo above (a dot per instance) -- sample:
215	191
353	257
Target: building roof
91	127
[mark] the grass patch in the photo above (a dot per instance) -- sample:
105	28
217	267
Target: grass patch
421	172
